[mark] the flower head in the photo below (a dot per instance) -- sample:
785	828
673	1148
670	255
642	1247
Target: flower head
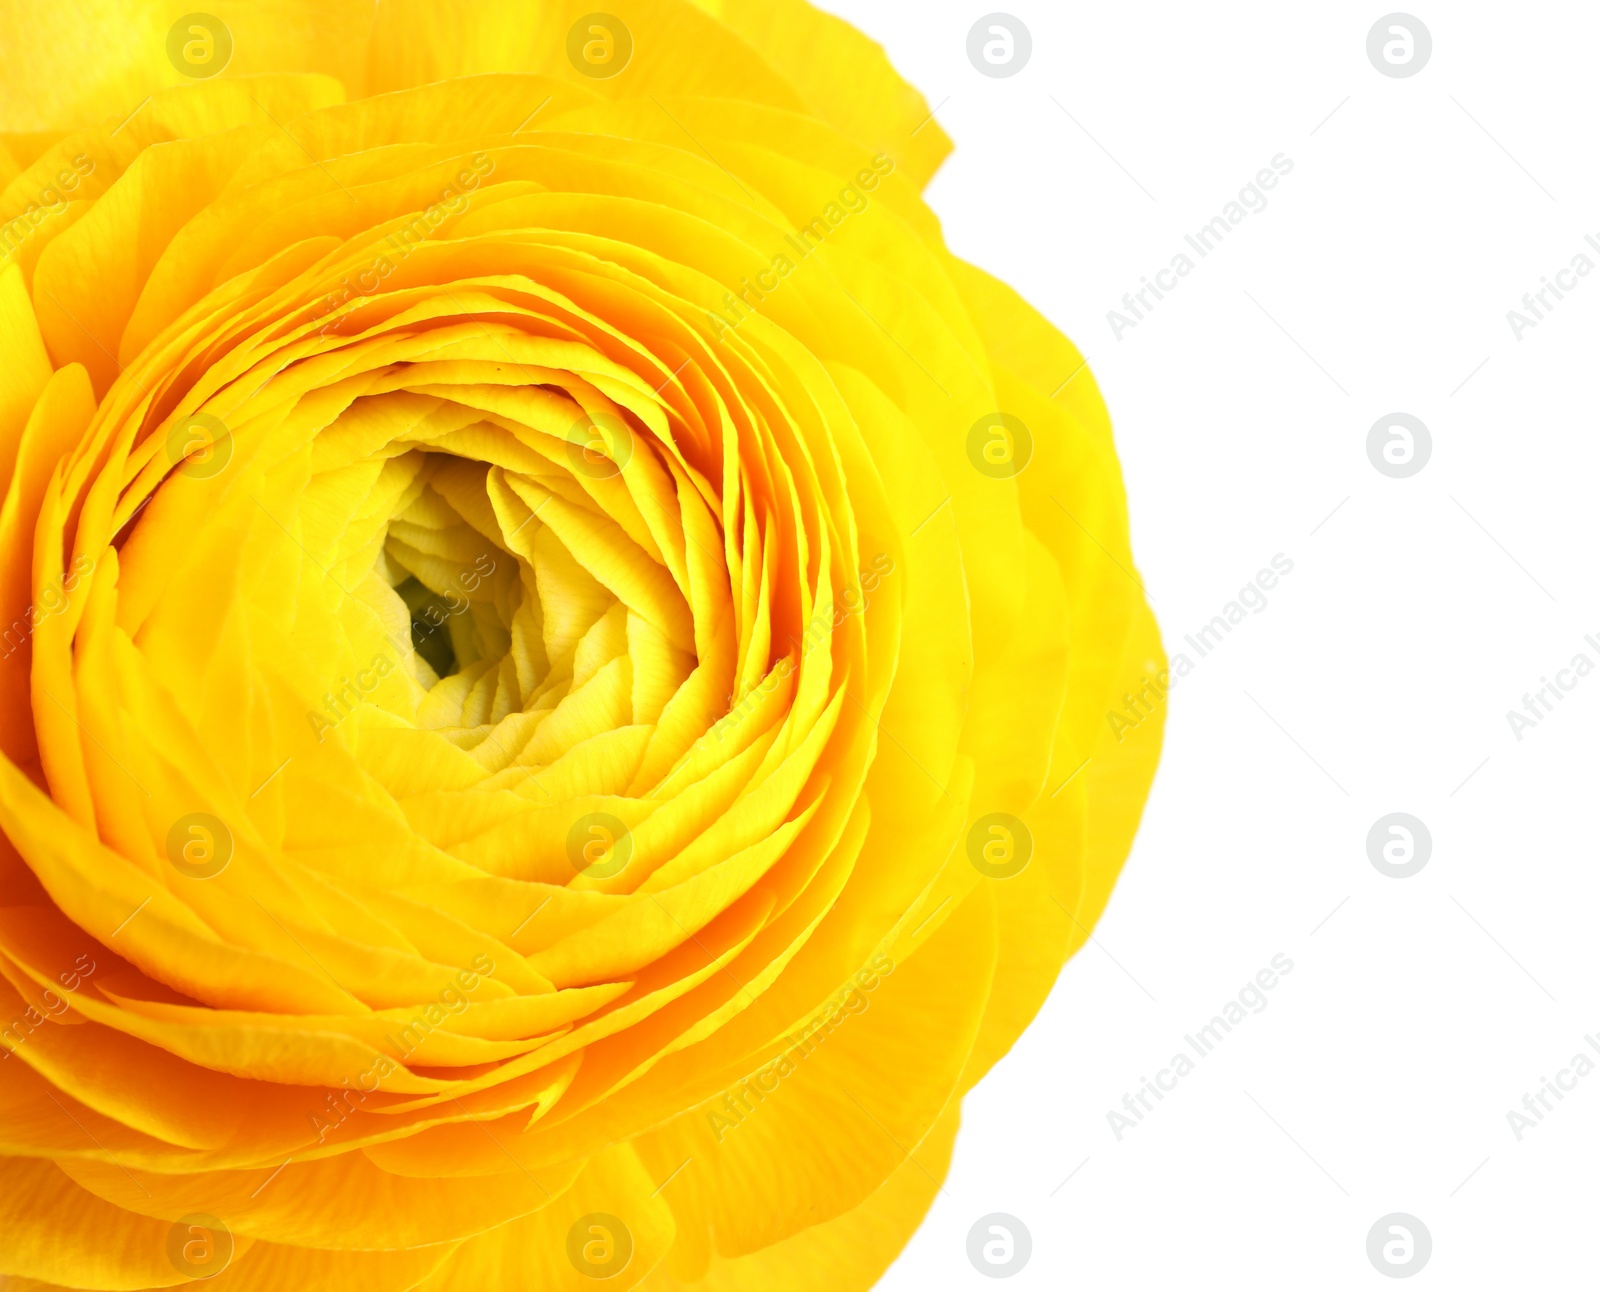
558	642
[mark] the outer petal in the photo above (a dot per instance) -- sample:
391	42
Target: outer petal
1084	818
761	1168
90	59
56	1232
535	1252
846	1254
55	425
24	366
845	78
677	49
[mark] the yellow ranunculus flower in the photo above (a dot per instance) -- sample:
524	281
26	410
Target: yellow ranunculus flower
556	649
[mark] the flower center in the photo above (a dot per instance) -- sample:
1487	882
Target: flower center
451	577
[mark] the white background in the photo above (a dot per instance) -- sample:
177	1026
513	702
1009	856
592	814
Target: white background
1419	1010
